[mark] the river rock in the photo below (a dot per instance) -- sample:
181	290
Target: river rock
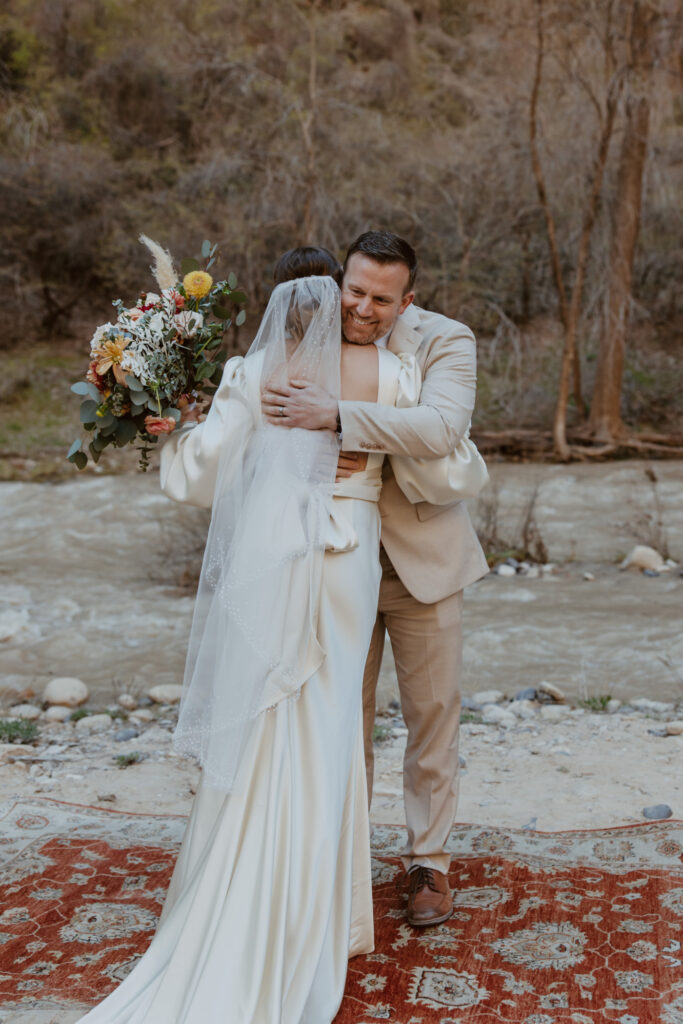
67	691
57	713
13	623
166	693
657	812
28	712
655	707
524	708
613	704
552	691
488	697
674	728
644	557
127	702
93	724
493	714
505	570
554	712
142	715
125	734
528	693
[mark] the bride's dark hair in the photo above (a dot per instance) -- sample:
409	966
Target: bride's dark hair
307	261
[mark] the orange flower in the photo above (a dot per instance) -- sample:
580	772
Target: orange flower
159	424
109	354
94	378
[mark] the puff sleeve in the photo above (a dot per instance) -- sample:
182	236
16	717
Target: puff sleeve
190	456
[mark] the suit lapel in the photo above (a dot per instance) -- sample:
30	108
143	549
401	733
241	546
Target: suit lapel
405	337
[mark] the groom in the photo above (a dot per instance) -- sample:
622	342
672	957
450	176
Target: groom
429	553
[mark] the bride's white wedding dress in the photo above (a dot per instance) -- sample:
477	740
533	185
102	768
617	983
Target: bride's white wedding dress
271	893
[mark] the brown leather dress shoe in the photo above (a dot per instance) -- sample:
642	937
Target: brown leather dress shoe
429	898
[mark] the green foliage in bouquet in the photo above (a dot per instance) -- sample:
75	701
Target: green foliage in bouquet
157	357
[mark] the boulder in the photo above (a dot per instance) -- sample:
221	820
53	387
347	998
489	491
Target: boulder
166	693
67	691
644	557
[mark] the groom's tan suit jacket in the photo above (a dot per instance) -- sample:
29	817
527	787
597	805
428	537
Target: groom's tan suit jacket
433	548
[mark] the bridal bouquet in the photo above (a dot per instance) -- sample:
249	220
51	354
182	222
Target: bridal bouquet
156	357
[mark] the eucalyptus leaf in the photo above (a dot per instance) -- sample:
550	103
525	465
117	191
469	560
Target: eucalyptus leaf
80	460
80	388
125	431
170	410
133	383
206	248
106	421
88	411
222	312
94	452
240	318
75	447
211	263
98	443
238	297
135	410
232	281
188	265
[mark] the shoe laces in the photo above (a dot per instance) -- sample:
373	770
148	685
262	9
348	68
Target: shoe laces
421	877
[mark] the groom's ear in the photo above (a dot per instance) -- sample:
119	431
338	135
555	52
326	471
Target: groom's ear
405	302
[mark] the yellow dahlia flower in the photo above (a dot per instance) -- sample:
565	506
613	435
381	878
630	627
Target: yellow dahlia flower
197	284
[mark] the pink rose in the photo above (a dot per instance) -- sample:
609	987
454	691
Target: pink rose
159	424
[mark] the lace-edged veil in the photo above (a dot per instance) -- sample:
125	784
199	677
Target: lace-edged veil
253	641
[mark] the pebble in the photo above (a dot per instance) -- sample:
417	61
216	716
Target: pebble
462	761
554	712
67	691
10	750
127	702
166	693
529	693
28	712
57	713
93	723
644	557
657	811
589	577
469	704
674	728
125	734
513	562
524	708
493	714
533	572
650	572
145	702
505	570
489	697
613	704
552	691
142	715
656	706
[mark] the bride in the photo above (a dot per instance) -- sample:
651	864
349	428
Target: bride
271	892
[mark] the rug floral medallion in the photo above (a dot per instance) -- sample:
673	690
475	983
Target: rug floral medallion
547	928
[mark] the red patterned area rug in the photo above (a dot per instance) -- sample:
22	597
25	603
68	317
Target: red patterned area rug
548	928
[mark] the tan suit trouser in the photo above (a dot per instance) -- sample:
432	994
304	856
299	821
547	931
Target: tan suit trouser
426	640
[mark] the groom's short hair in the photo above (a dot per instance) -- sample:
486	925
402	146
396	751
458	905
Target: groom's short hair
385	247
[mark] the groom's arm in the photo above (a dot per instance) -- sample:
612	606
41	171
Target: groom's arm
432	428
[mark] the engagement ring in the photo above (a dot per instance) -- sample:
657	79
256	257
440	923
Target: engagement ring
282	410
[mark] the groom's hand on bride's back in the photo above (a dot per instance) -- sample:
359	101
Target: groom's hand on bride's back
299	404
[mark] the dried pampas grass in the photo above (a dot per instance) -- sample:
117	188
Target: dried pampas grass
163	271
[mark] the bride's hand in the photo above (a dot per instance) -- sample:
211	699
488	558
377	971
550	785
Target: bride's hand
190	412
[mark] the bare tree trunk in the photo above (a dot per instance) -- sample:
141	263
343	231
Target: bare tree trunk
570	309
605	419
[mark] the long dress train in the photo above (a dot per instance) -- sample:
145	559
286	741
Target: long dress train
271	891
